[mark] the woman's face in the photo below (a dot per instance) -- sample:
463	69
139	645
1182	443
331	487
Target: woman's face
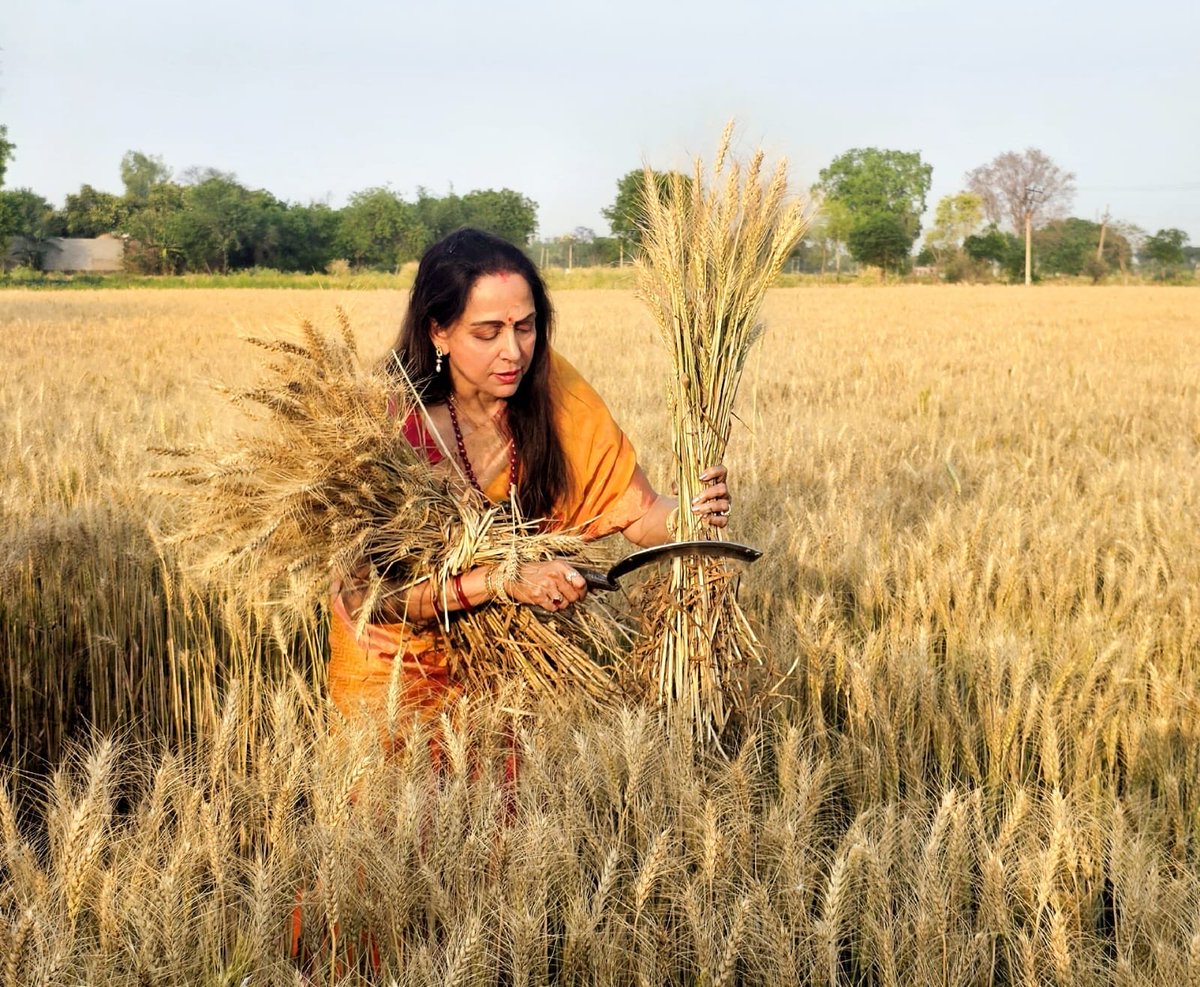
491	345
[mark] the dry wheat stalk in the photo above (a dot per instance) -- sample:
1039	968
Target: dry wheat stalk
327	480
80	828
710	250
13	960
725	969
556	889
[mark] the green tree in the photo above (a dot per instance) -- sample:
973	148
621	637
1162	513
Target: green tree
140	173
1166	248
871	182
829	233
882	239
378	229
1069	246
219	225
154	228
439	215
624	215
307	237
1003	250
603	251
505	213
25	214
955	218
1129	239
31	215
199	174
6	152
7	219
1095	268
90	212
263	232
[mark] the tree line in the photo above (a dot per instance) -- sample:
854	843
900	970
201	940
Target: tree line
1012	213
207	221
872	201
1010	220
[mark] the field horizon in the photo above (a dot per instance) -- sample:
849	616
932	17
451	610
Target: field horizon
557	279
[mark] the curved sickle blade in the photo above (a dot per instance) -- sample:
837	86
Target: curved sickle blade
672	550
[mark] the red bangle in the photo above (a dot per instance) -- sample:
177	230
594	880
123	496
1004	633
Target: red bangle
462	597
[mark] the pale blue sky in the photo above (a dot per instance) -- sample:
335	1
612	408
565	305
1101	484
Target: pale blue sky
317	100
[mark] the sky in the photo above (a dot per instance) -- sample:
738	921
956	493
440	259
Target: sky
317	100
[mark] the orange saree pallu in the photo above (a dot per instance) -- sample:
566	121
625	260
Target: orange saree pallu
361	667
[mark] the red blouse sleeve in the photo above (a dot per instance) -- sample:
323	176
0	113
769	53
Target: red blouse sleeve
420	438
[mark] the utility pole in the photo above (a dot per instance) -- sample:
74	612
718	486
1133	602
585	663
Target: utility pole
1033	195
1103	226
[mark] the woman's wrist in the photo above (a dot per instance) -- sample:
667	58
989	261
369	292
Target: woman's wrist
672	524
667	516
460	594
496	585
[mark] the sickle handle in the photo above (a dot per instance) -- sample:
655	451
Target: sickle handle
596	579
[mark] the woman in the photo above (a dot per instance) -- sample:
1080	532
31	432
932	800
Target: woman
519	423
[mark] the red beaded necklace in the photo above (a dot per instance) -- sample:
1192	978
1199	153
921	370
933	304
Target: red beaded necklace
462	453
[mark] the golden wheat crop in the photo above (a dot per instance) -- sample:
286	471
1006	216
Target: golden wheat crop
982	575
711	248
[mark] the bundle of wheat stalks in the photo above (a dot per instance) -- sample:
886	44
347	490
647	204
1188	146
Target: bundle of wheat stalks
328	488
709	253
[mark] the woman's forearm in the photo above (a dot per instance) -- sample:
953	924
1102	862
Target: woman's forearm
430	599
552	585
423	601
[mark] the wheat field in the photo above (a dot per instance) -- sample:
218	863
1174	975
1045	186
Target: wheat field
979	761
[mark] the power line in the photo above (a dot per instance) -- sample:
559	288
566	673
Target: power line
1179	187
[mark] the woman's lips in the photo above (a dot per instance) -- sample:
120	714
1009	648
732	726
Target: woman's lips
509	377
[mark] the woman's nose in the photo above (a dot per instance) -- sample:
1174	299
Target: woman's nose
510	348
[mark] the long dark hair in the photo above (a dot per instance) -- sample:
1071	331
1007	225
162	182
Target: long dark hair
445	277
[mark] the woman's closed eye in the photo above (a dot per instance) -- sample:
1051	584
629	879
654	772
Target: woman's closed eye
489	332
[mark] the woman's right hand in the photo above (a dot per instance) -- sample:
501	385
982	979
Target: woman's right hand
553	585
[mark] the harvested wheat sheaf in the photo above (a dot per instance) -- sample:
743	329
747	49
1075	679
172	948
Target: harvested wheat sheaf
328	488
711	246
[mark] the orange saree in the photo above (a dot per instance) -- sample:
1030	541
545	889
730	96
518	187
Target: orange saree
609	492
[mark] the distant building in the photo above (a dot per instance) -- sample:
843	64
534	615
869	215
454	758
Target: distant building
101	255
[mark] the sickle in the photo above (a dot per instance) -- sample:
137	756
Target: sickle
671	550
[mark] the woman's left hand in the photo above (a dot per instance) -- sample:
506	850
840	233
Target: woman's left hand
714	501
